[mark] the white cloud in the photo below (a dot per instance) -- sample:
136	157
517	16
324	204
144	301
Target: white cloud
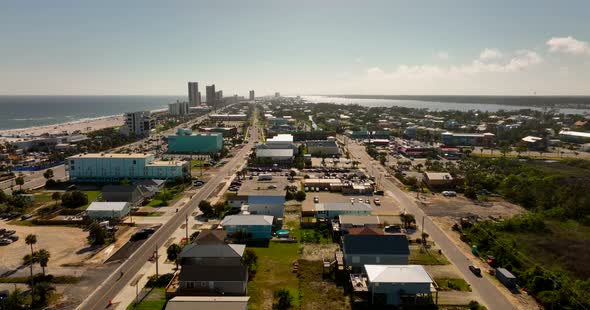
568	45
489	54
442	55
521	60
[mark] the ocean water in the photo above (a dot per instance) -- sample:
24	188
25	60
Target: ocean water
31	111
432	105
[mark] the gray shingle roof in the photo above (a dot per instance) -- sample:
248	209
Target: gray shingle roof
213	273
376	244
212	250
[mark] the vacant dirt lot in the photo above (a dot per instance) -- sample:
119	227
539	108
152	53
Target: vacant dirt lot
66	245
459	207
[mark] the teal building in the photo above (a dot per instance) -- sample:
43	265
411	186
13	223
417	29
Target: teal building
187	142
255	227
114	167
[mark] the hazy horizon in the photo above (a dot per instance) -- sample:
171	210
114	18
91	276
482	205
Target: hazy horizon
300	48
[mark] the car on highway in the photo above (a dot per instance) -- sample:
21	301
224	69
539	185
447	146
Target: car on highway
142	234
475	270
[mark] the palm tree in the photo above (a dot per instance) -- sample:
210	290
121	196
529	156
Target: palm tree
31	240
43	289
42	257
56	196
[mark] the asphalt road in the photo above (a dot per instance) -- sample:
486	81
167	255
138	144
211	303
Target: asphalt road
483	287
100	298
34	179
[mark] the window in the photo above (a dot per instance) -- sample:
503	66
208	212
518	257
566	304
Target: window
72	162
134	162
356	259
378	259
190	284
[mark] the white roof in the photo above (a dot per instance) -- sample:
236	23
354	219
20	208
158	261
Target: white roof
531	139
208	303
575	133
343	206
281	138
112	155
397	274
247	220
274	152
107	206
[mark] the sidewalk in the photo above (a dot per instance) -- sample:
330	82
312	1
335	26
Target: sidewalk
127	295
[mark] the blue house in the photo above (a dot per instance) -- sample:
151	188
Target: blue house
257	227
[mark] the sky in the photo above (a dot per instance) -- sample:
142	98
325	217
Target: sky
147	47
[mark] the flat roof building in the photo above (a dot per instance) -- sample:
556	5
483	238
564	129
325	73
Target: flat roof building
399	284
187	142
114	167
574	136
107	210
467	139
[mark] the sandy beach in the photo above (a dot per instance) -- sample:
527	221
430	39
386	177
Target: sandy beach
83	126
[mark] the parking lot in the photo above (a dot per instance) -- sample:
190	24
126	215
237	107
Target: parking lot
387	207
66	245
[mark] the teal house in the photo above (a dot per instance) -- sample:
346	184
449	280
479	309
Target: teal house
255	227
187	142
114	167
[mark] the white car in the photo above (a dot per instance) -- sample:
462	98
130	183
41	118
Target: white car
352	200
377	201
316	199
449	193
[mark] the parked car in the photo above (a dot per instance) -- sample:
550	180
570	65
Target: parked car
352	200
380	193
9	233
392	229
449	193
367	201
377	201
5	241
14	238
476	271
316	199
2	231
272	186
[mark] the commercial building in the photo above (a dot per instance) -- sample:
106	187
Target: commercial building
321	148
332	210
396	285
252	96
138	123
210	92
275	155
114	167
178	108
467	139
194	99
107	210
262	196
187	142
574	136
248	227
438	180
355	221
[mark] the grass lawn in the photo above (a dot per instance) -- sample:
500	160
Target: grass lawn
419	256
275	270
92	196
155	300
447	284
317	292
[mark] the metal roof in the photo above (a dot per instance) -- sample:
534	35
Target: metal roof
397	274
264	220
213	250
274	152
107	206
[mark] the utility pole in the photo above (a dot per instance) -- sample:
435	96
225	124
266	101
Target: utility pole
156	252
186	227
422	235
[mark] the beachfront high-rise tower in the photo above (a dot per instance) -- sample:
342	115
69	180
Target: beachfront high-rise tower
193	94
210	94
252	97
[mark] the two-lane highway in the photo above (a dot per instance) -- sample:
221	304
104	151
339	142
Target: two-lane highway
489	293
100	298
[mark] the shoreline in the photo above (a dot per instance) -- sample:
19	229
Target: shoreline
84	125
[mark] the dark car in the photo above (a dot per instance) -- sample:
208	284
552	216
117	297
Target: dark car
380	193
9	233
476	271
14	238
5	241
